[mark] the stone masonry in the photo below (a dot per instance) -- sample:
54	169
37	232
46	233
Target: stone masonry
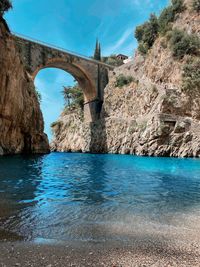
91	75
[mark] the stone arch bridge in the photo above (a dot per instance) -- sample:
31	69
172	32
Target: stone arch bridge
91	75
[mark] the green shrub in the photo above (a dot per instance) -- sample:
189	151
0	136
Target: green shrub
122	80
143	48
151	31
5	5
168	15
191	75
196	5
178	6
112	60
147	33
184	44
139	32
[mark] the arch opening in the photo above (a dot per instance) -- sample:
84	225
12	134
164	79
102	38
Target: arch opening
49	82
84	80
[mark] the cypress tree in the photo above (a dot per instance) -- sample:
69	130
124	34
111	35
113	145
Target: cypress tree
97	51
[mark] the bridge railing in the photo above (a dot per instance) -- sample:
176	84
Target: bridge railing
27	38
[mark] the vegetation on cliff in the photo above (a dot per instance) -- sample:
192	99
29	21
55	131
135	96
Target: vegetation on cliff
147	33
196	5
183	44
151	105
169	14
180	42
122	80
73	96
112	60
5	5
191	75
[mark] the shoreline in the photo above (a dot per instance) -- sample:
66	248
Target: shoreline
99	153
140	253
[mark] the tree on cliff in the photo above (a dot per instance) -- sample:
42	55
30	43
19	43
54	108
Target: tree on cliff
147	33
97	51
5	5
73	96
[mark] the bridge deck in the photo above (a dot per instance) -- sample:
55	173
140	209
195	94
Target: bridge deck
26	38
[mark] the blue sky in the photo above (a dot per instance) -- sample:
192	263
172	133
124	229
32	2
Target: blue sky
75	25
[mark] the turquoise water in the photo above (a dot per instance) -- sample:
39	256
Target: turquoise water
84	197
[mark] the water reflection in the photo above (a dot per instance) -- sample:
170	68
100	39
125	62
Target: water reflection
89	185
19	178
82	196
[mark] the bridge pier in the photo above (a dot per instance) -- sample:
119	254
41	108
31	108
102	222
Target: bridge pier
92	110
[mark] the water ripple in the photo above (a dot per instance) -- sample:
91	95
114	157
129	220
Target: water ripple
95	197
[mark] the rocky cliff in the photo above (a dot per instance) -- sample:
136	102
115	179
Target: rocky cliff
21	121
152	114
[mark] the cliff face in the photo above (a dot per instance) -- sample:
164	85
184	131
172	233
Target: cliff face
68	131
150	116
21	122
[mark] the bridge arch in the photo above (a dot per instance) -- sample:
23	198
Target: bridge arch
91	75
80	75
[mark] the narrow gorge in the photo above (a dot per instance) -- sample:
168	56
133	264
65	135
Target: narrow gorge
130	194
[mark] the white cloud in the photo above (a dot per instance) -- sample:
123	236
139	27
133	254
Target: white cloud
120	42
129	49
123	39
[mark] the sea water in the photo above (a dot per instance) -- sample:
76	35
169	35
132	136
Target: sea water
64	197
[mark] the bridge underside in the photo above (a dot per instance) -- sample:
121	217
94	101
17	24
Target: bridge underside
91	75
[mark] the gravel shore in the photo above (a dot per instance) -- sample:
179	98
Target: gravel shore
145	253
176	244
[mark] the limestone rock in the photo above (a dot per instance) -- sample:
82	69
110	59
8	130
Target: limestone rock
152	116
21	121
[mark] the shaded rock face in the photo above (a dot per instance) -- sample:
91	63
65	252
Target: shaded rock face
152	116
68	131
21	121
